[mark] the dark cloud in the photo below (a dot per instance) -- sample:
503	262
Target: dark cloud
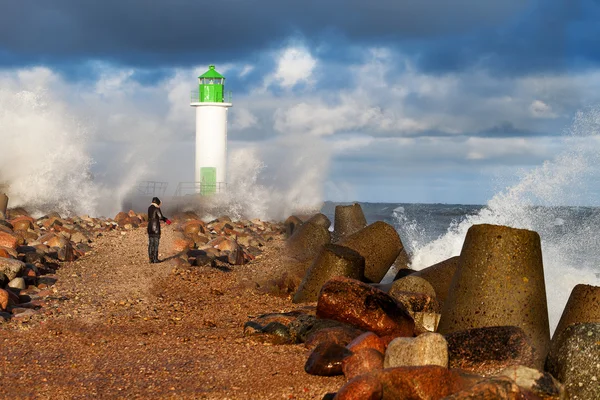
177	32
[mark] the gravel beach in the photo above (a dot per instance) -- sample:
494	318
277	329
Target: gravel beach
116	326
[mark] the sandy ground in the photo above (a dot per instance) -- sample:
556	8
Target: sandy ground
119	327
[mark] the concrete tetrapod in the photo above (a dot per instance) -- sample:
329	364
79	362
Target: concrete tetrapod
500	282
440	277
583	306
306	241
379	244
348	219
320	219
3	204
333	260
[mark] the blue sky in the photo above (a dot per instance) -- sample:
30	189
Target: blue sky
388	101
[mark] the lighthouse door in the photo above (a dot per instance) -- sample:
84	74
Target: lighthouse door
208	183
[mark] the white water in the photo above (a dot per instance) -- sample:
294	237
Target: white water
44	161
271	188
571	256
50	128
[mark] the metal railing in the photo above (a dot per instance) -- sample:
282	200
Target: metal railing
201	188
195	97
151	188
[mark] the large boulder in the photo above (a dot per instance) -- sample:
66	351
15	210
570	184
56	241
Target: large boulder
356	303
361	362
500	282
496	388
540	383
326	359
333	260
418	383
426	349
379	244
487	351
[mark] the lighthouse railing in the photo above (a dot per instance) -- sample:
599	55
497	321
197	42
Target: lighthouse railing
195	96
199	188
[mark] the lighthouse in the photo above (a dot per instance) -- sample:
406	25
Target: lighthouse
211	103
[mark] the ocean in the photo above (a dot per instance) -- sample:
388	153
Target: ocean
431	233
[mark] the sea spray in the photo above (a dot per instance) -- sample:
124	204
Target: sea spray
269	186
539	201
43	161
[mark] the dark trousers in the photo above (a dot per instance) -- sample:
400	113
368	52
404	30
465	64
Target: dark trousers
153	241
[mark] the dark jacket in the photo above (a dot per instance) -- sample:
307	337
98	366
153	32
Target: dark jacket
154	218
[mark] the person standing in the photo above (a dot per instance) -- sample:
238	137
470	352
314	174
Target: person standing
154	218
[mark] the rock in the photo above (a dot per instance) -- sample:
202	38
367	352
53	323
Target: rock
440	277
540	383
426	349
199	258
306	242
416	302
367	340
342	335
182	244
326	359
362	387
487	351
500	282
496	388
8	240
219	226
17	283
414	383
12	253
3	299
13	213
426	321
315	330
67	253
79	237
22	223
194	226
361	362
58	241
583	306
333	260
52	222
3	280
280	328
348	220
292	223
357	303
379	244
412	284
11	268
574	359
4	253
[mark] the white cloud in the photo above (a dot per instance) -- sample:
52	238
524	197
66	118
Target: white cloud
294	65
246	70
242	118
539	109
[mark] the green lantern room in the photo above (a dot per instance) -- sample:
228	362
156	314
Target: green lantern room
210	86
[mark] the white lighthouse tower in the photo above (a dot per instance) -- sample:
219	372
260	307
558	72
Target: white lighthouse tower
211	103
